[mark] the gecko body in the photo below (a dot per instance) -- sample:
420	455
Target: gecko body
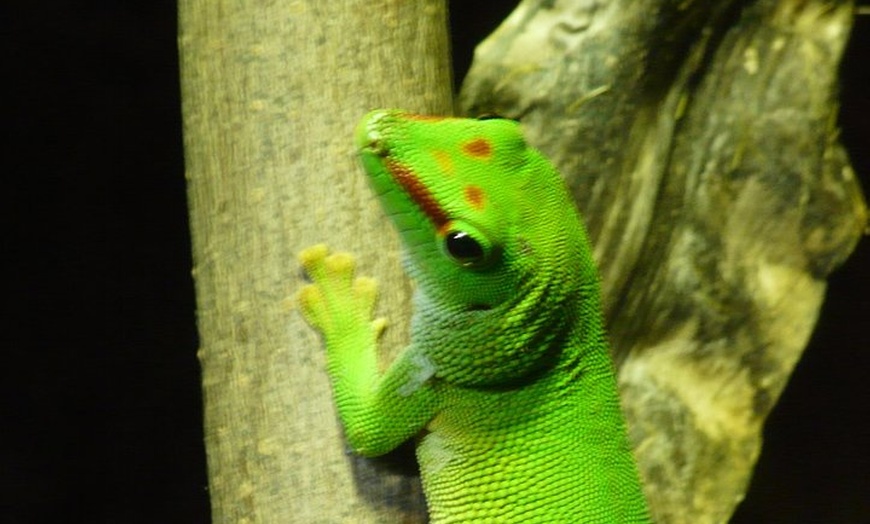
507	383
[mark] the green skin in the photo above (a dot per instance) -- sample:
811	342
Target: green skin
507	383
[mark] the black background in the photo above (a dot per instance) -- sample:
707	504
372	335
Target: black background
101	415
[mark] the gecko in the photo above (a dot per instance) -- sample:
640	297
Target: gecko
507	385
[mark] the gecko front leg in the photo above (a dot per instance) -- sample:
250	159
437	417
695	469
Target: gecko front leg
378	410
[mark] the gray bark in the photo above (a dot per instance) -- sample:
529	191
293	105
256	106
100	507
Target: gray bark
271	93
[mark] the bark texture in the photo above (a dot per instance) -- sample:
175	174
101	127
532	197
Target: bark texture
271	93
700	142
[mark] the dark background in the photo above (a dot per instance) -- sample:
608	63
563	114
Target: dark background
101	415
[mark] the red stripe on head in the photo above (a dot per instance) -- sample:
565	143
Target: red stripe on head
418	192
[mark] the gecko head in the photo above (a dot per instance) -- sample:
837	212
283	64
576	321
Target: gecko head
486	223
440	182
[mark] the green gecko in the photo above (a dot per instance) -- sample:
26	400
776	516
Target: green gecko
507	384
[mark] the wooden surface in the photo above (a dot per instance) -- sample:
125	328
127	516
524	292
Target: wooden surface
271	93
700	143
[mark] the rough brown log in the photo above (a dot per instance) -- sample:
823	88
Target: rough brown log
700	142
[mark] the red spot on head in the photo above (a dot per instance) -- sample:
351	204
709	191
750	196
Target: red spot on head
475	197
418	192
479	147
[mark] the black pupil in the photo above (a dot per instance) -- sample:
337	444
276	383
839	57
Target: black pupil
463	248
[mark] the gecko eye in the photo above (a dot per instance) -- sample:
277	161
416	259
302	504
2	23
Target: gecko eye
468	248
463	248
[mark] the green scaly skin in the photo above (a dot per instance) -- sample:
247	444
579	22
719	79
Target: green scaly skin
507	383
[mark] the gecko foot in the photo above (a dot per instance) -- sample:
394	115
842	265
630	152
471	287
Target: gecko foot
336	303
